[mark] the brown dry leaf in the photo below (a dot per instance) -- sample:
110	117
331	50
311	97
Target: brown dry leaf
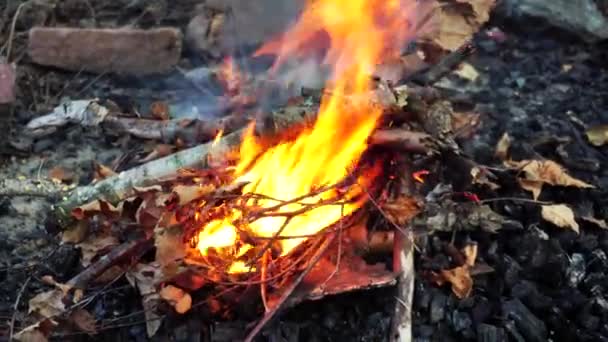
560	215
455	22
465	124
144	278
84	321
75	234
181	301
482	8
598	135
95	207
188	193
460	279
48	304
102	172
61	174
169	245
160	110
94	245
401	210
502	147
540	172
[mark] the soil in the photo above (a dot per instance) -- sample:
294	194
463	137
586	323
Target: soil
541	86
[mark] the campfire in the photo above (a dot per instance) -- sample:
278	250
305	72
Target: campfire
278	211
298	187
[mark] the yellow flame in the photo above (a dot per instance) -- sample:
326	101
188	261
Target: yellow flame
360	33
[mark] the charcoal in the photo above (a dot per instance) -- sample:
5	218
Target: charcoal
586	243
532	328
511	269
576	271
527	292
594	283
462	323
490	333
482	310
513	332
438	306
599	260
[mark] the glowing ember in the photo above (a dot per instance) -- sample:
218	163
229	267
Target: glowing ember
360	33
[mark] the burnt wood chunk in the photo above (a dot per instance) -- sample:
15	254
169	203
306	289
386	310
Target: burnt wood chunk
128	51
532	328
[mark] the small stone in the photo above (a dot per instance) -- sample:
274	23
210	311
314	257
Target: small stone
576	271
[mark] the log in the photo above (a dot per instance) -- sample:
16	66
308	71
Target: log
130	51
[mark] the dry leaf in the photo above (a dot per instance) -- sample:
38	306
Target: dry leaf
460	279
401	210
102	172
455	22
465	124
540	172
188	193
61	174
481	176
160	110
48	304
502	147
467	72
31	335
560	215
598	222
482	8
169	245
7	82
75	234
144	277
181	301
598	135
84	321
95	207
94	245
470	252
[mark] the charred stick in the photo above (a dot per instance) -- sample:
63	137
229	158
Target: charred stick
446	65
416	142
189	131
118	254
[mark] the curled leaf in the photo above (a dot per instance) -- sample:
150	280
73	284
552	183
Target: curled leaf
460	279
502	147
540	172
598	135
560	215
48	304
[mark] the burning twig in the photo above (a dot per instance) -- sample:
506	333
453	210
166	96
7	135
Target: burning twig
290	289
446	65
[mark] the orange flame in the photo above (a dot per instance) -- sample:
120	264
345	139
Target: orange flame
360	33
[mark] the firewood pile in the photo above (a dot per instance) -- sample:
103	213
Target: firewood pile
280	191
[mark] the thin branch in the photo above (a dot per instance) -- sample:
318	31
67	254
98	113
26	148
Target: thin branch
16	307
